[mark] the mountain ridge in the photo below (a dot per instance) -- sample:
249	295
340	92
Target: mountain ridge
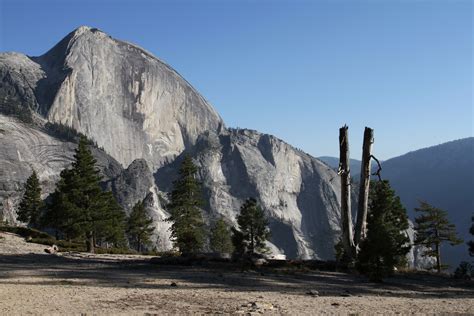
73	84
441	175
144	113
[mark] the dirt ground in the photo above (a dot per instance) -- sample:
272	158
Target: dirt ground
33	282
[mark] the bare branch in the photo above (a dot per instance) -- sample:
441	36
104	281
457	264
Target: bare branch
377	173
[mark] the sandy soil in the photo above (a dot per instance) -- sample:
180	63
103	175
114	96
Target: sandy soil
33	282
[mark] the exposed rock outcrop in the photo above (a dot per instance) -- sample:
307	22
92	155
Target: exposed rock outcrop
24	148
136	183
298	193
117	94
137	107
133	184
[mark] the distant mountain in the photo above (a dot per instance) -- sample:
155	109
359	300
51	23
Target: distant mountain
333	162
442	175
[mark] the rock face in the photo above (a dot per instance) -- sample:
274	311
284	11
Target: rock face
24	148
136	183
416	258
298	193
145	115
127	101
133	184
333	162
19	75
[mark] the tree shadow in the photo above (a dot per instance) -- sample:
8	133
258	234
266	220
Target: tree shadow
141	273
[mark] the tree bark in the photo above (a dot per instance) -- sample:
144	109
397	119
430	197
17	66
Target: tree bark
252	245
90	242
345	173
360	229
438	257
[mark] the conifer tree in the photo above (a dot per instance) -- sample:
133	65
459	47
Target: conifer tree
60	214
109	223
30	207
139	227
386	243
432	229
187	230
238	242
220	240
253	230
80	209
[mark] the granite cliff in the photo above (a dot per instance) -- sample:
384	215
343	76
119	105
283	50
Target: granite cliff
144	116
126	100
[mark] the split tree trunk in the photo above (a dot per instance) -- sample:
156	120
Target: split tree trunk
347	239
360	229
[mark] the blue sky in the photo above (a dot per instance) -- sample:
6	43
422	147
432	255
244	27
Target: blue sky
295	69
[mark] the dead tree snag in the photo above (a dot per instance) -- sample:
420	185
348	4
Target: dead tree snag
345	173
364	186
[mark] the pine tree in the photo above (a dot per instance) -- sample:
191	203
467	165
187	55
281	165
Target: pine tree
31	204
187	230
471	243
109	223
220	240
253	230
139	227
80	209
386	243
61	211
238	242
433	228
